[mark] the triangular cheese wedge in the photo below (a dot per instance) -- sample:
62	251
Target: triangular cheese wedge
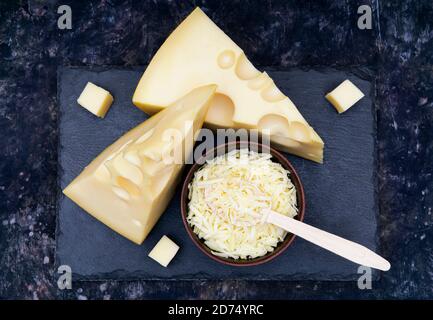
128	186
198	53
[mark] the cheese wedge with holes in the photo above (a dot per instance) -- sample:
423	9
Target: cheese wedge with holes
128	186
199	53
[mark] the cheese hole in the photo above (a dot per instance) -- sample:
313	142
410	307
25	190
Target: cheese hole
128	185
221	110
132	157
245	69
272	94
102	173
151	167
276	124
226	59
121	193
145	136
259	82
299	131
127	170
154	155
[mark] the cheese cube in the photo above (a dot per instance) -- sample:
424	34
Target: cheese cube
164	251
95	99
344	96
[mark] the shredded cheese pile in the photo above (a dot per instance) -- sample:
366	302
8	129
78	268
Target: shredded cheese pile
227	197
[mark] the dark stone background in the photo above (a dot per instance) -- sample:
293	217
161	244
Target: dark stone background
279	34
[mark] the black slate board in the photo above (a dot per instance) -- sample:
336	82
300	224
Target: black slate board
340	193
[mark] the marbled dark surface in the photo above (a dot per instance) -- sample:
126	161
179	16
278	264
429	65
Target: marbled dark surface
281	34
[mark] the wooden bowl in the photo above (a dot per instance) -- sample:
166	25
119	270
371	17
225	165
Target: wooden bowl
222	149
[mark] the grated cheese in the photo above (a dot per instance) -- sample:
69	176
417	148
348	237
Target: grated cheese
227	196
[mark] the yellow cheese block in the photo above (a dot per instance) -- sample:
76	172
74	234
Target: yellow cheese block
128	186
199	53
164	251
95	99
344	96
